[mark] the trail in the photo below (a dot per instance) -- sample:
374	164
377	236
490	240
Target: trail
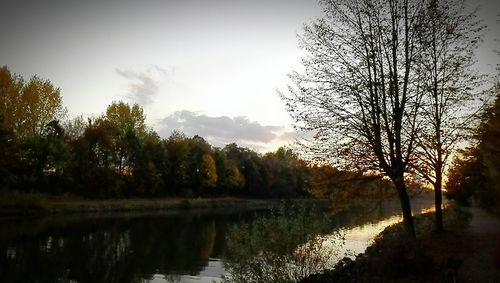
483	236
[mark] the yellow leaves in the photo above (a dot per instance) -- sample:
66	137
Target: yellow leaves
127	118
209	171
41	103
28	107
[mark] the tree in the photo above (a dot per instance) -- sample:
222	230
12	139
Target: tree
476	171
147	160
464	176
28	107
75	128
9	160
127	120
489	150
94	160
229	177
177	146
235	180
249	164
359	90
284	175
208	172
448	36
11	86
126	117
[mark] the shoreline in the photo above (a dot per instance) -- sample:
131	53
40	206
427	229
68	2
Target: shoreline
26	205
464	251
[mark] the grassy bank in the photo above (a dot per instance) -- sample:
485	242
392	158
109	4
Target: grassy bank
41	204
432	258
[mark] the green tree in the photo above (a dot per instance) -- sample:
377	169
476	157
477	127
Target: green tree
147	161
177	146
284	175
199	174
94	161
45	159
235	180
229	177
249	163
127	120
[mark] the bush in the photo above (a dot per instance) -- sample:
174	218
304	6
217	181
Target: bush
286	246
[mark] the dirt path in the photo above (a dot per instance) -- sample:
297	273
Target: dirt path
483	236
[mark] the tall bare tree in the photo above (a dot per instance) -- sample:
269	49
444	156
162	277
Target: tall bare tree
359	90
448	36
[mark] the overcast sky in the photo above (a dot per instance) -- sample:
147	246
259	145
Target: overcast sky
204	67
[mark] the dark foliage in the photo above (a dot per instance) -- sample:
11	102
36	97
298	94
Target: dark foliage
476	172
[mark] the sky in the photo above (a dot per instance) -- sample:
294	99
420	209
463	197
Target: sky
211	68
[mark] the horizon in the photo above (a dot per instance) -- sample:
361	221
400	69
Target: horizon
207	69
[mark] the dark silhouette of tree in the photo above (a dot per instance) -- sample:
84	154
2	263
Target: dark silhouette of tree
448	35
95	158
359	91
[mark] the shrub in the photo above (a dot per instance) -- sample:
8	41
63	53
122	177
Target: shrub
285	246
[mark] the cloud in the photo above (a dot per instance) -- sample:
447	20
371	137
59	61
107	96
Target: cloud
143	85
223	130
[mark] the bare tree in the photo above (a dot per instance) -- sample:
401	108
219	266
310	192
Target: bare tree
448	36
359	90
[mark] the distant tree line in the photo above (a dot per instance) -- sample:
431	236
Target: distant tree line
118	155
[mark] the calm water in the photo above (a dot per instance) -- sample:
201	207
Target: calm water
169	247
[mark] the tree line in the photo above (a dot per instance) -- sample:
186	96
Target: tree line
118	155
475	171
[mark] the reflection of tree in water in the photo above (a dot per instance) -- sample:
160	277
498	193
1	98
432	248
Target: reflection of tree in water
111	250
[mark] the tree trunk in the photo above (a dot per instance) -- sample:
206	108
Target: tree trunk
405	206
438	202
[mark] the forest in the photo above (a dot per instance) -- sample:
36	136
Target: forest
118	155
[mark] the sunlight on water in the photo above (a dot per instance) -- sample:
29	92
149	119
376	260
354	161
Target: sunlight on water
359	238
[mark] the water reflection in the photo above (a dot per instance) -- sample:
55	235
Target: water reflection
113	249
173	247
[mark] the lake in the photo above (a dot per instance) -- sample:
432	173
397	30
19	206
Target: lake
182	246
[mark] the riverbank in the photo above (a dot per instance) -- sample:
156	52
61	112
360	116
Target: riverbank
18	205
464	252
